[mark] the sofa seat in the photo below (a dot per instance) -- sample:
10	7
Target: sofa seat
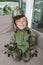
7	25
5	60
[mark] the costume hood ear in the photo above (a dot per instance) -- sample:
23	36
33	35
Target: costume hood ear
17	12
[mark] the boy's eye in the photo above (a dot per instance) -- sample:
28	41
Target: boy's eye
24	20
18	21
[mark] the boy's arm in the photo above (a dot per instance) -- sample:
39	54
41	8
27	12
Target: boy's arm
32	39
11	46
12	40
33	44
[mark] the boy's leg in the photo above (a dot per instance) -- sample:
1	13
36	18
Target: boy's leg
17	54
26	56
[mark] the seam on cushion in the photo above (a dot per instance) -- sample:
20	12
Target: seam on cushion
6	32
9	30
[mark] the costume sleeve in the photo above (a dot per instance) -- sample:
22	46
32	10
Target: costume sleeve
12	40
32	39
11	46
33	45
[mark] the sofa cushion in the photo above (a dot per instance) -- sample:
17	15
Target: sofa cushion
6	23
6	30
5	60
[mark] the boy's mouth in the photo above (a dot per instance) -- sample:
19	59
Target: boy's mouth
21	25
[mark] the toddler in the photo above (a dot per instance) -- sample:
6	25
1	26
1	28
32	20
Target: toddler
22	45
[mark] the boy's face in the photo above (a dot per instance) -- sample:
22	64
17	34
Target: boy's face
21	23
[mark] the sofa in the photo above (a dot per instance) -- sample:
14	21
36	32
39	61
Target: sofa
6	31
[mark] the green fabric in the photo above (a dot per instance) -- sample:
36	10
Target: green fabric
21	40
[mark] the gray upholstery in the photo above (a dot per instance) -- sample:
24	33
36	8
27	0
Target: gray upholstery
5	38
39	38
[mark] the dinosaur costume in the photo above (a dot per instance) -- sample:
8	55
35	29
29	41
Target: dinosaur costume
23	41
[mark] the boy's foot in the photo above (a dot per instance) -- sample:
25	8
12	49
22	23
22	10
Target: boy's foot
26	56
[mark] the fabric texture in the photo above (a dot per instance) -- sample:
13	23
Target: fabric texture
6	30
6	23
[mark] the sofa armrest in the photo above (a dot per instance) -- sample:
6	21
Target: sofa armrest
39	38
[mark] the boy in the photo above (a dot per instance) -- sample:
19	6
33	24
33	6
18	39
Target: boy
22	45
